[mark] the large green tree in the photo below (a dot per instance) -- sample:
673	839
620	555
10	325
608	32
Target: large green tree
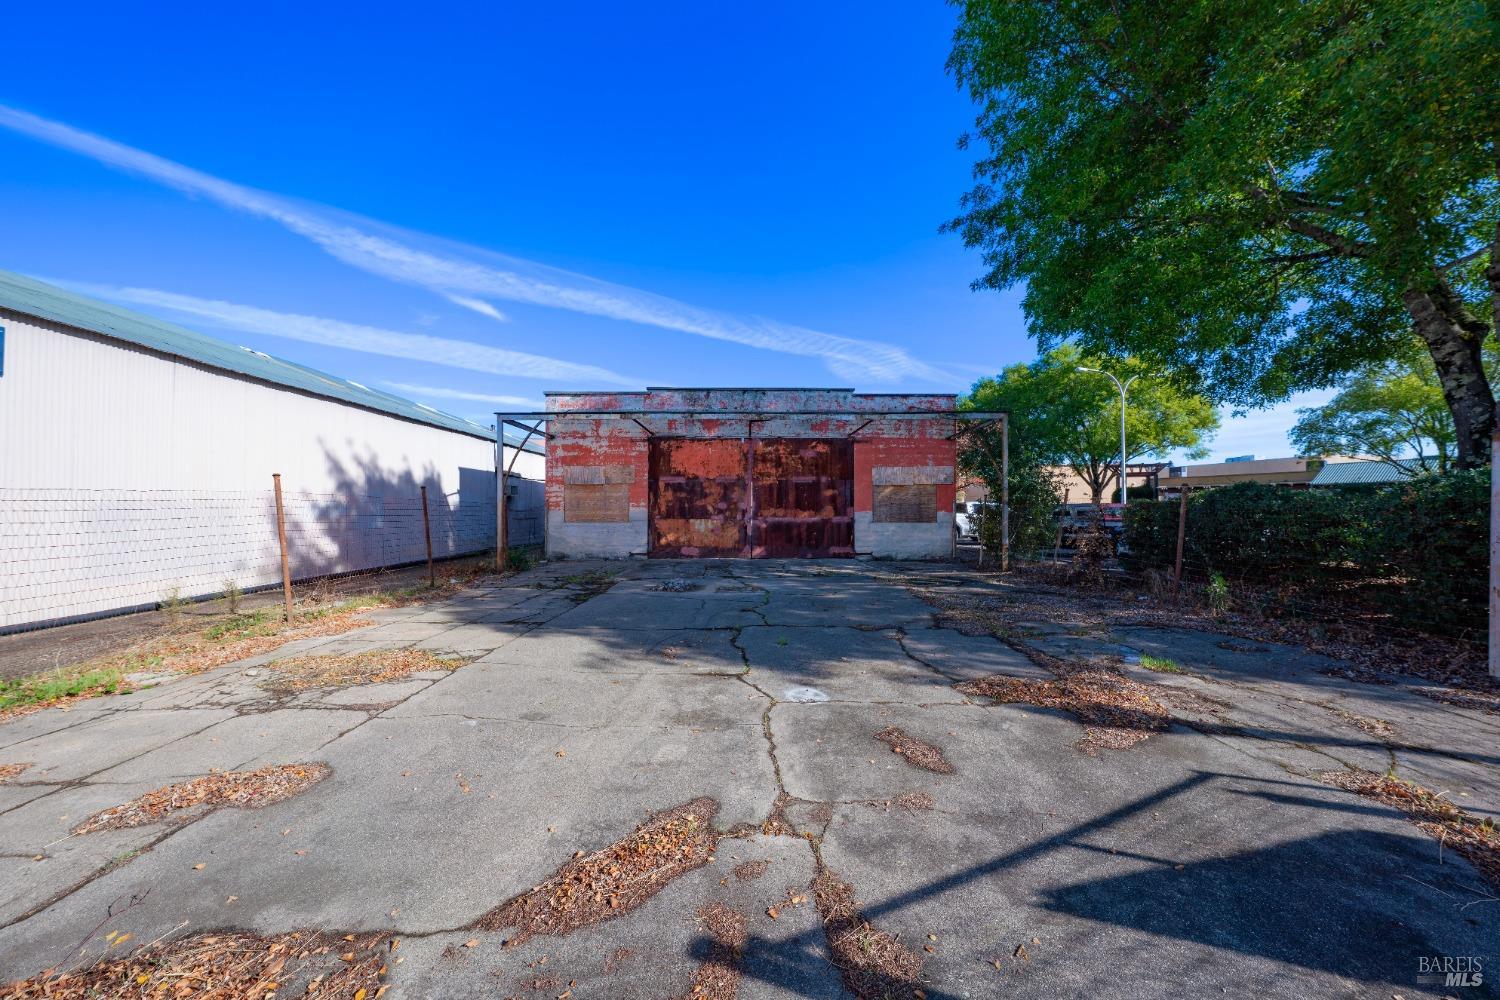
1264	195
1064	416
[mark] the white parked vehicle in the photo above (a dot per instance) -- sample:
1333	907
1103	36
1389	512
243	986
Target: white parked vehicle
966	519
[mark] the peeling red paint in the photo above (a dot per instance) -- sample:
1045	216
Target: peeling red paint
730	472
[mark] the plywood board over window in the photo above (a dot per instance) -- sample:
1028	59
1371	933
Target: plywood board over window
906	504
596	503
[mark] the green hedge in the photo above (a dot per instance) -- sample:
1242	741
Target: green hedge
1425	540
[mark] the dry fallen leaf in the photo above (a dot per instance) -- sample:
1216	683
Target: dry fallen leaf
471	943
198	867
771	912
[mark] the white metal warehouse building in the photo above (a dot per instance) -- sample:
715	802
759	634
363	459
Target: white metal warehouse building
136	462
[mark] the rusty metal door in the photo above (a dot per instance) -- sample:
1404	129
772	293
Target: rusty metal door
697	497
801	504
803	498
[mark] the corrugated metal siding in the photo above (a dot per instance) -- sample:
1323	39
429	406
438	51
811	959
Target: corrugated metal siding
28	297
126	473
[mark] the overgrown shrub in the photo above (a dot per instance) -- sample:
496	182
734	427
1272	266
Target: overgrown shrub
1432	535
1427	538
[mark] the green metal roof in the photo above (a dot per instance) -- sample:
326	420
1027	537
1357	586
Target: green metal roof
1362	472
21	294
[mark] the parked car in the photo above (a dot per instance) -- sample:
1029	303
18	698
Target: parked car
966	520
1074	518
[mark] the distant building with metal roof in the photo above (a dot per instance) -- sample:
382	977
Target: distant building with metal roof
1361	472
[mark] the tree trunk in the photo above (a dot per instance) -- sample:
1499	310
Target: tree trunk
1454	337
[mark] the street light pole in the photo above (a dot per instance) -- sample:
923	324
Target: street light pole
1124	388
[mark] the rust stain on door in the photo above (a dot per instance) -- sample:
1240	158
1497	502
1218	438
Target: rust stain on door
780	497
697	497
804	498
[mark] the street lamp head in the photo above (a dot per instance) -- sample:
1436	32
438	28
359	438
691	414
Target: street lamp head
1096	371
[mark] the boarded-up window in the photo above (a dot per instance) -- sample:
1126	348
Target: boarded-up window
596	502
906	504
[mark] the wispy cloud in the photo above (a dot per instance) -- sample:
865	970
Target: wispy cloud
472	277
436	392
358	337
480	306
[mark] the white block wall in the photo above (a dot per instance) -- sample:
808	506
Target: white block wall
127	474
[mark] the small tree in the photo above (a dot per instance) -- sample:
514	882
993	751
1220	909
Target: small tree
1034	493
1067	417
1393	411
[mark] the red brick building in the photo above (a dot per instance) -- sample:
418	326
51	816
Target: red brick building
750	473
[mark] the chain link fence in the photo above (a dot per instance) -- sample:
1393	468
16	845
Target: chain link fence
69	554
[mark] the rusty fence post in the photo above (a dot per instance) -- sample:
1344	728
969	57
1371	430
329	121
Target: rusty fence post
1005	494
427	536
1494	557
1181	536
286	566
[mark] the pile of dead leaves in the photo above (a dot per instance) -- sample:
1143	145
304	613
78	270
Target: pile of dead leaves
749	871
1368	651
923	755
718	978
1477	840
236	789
1116	711
228	966
874	964
596	887
302	673
8	771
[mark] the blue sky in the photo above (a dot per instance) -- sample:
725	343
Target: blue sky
471	208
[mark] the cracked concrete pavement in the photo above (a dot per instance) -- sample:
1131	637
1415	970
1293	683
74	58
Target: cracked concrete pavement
1205	860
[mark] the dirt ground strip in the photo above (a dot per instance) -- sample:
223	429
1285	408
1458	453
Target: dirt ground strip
761	780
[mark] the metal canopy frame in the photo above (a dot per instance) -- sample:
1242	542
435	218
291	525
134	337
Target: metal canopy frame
538	423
